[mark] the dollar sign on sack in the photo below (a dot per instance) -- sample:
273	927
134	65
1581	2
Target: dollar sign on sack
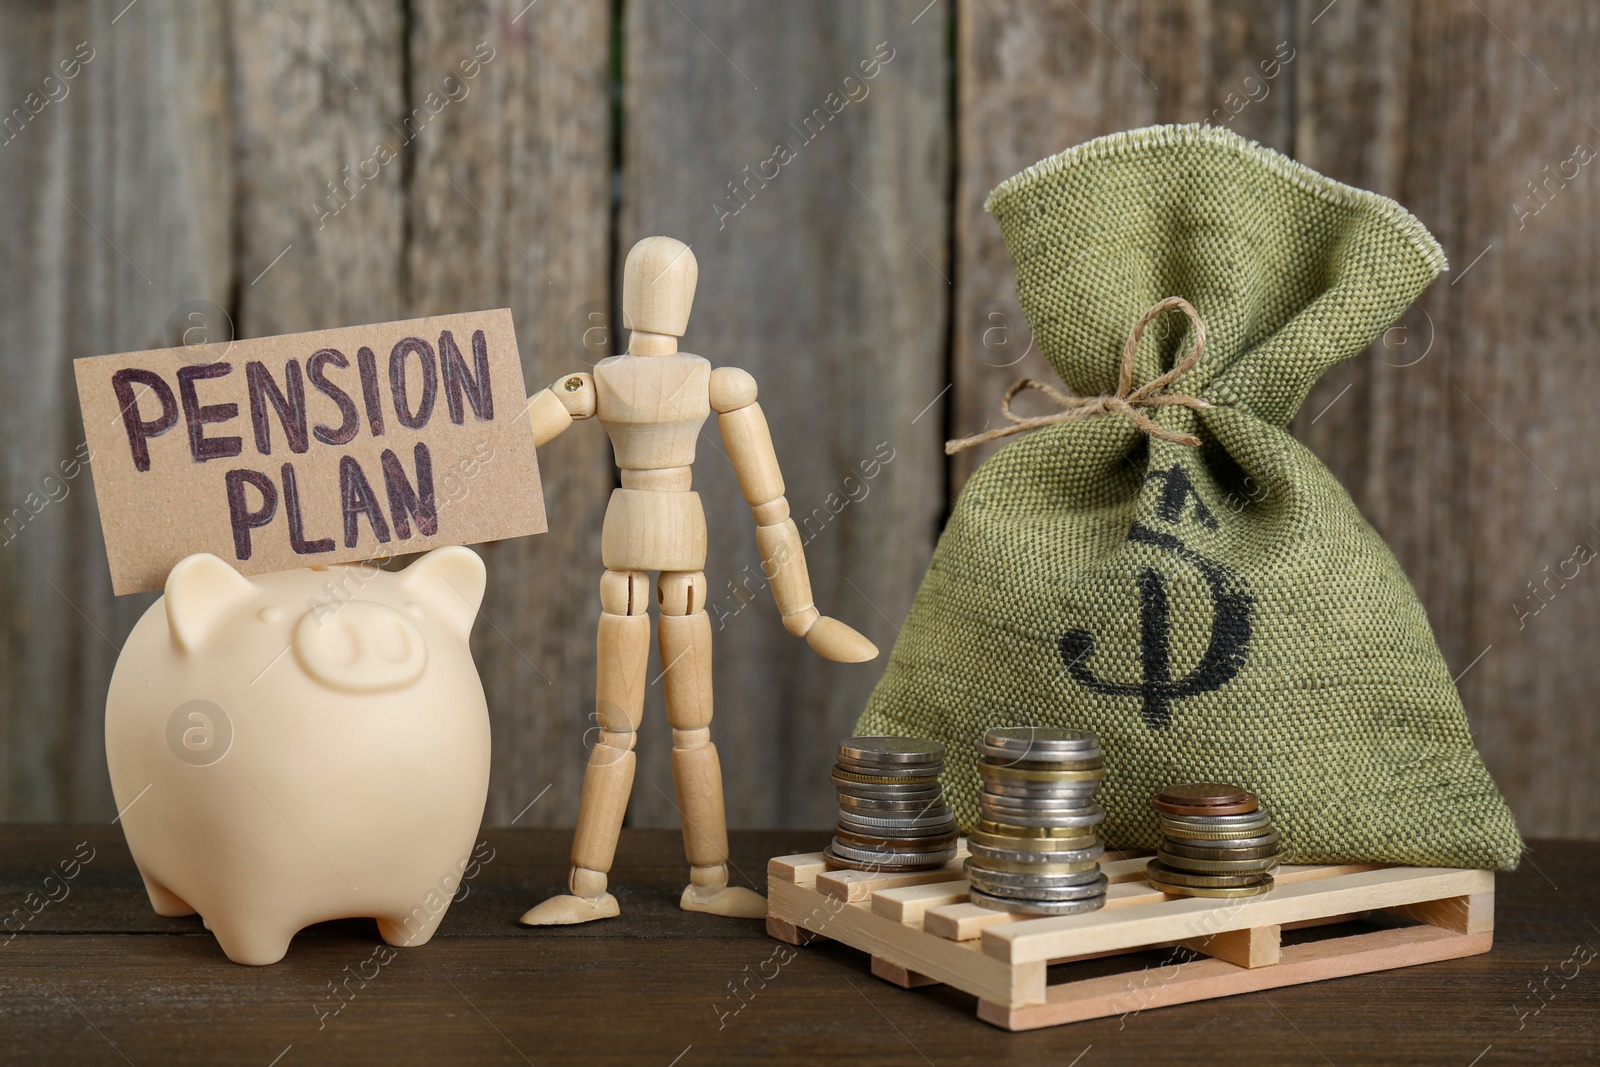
1230	622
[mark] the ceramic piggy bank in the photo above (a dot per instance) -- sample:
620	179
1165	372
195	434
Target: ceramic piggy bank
303	746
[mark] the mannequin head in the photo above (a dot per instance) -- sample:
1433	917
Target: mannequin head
658	281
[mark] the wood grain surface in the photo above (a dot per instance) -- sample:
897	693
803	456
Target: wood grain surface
1460	435
96	977
828	283
206	170
510	206
1111	67
119	221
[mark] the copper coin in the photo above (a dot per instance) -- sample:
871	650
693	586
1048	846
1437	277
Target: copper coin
1204	798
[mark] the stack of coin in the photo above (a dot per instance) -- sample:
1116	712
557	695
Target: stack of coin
892	814
1217	842
1036	851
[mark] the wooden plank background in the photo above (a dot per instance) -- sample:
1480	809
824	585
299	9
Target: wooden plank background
186	171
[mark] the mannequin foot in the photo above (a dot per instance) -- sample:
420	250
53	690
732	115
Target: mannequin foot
734	901
585	901
566	909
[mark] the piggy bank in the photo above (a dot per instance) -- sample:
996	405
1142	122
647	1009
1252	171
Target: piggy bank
303	746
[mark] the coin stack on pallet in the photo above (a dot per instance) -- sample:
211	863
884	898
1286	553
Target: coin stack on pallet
892	814
1217	842
1036	851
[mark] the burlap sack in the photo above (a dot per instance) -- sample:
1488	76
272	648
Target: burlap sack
1171	569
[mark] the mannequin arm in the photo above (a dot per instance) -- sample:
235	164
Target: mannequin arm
744	430
554	409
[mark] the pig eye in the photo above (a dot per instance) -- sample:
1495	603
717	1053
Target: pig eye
270	613
414	609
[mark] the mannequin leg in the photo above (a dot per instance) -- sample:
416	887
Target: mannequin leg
685	632
623	653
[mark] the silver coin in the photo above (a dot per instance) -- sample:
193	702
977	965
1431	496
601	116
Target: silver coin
1036	907
886	858
889	770
1263	841
899	826
1007	756
1188	865
1076	812
915	847
911	838
892	750
1017	855
1050	773
988	879
1057	791
888	792
1076	815
922	797
1039	742
876	839
872	805
1039	790
939	820
1040	753
1036	822
1066	807
1088	760
1093	888
884	861
1248	820
899	865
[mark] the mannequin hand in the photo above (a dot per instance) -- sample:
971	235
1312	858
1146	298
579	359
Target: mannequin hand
833	640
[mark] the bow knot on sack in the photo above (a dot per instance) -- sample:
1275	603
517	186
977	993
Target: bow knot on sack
1125	402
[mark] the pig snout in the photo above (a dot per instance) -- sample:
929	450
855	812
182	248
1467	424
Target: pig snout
360	646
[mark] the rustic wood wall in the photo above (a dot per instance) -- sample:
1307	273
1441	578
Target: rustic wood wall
186	170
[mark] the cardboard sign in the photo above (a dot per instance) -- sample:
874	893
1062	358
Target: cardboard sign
311	448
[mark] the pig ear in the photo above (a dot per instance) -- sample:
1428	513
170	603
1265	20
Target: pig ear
201	591
451	581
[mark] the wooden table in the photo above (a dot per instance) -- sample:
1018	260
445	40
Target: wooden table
97	978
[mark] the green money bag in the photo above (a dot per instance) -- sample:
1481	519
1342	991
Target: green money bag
1160	562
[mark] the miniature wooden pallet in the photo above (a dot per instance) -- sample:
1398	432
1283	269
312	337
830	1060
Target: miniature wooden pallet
921	929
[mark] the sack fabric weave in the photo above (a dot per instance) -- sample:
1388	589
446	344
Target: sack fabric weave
1213	613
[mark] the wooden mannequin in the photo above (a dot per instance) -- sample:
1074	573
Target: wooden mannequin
652	402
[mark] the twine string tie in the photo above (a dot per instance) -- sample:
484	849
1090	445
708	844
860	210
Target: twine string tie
1127	402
